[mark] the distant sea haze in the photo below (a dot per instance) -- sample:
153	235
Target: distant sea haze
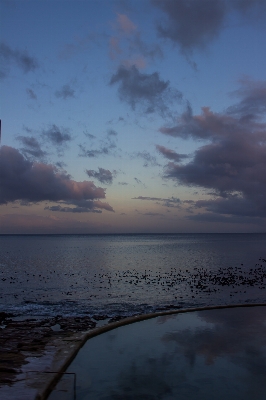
48	275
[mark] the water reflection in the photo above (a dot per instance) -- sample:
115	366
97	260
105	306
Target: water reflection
198	355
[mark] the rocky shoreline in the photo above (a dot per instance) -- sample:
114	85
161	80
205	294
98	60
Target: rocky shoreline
38	345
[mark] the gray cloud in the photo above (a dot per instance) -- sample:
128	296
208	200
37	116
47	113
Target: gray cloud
149	160
65	92
103	175
166	202
170	154
146	90
31	147
82	206
225	219
106	147
112	132
56	135
89	135
171	199
193	24
31	94
23	180
153	214
147	51
233	162
253	103
139	182
148	198
232	204
21	59
74	210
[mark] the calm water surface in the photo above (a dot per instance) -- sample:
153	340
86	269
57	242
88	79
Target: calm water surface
214	354
127	274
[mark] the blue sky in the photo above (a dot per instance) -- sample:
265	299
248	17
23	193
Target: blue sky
133	116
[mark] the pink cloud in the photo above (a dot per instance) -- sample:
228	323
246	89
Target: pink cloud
125	25
21	179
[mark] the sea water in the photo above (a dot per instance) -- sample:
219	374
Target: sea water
47	275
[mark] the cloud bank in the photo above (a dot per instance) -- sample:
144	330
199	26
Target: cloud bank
194	24
145	90
233	161
23	180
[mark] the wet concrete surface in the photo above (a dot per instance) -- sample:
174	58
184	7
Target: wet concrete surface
30	349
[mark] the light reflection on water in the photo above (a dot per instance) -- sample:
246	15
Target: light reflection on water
121	273
199	355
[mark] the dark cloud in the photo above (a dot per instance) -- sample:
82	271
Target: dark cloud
150	52
103	175
193	24
233	204
170	154
233	162
148	198
253	103
146	90
89	135
31	94
139	182
83	206
60	164
56	135
106	146
65	92
250	8
31	147
21	179
166	202
149	160
153	214
74	210
171	199
21	59
225	219
112	132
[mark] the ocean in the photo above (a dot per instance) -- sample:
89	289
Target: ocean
49	275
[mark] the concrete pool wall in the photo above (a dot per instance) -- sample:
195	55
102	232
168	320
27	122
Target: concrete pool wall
98	331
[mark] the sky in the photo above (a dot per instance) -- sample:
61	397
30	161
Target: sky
143	116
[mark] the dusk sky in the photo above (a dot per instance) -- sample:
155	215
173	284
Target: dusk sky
133	116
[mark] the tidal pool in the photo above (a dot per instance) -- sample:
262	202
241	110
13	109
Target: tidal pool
194	355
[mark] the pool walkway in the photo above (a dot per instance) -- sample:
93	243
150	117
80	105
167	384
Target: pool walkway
33	362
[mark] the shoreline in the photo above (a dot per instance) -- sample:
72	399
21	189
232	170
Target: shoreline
35	352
